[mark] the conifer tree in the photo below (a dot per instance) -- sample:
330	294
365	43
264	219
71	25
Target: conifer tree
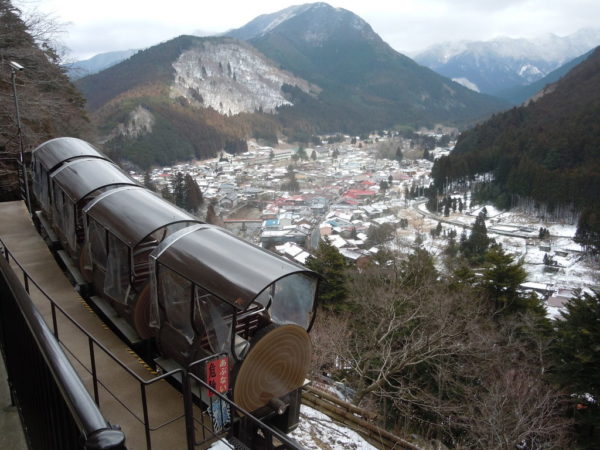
178	188
328	262
577	362
476	245
502	278
148	183
193	195
399	154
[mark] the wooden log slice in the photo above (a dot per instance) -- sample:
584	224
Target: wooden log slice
277	364
141	314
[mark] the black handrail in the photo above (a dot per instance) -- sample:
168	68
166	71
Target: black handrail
96	430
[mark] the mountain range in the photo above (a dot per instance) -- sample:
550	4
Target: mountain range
501	64
304	70
97	63
547	150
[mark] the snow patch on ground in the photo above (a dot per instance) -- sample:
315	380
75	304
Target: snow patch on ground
466	83
317	431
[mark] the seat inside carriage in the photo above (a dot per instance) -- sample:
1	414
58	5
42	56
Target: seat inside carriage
212	292
122	227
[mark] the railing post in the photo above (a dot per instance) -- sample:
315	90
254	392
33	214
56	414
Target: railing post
94	374
146	424
26	281
188	407
54	323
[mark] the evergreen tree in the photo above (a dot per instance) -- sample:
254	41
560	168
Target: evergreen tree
502	278
193	195
577	362
451	250
328	262
313	155
292	184
399	155
383	186
178	188
166	194
588	230
446	207
271	155
475	247
148	183
302	154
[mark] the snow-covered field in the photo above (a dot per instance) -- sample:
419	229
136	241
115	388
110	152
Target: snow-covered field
519	234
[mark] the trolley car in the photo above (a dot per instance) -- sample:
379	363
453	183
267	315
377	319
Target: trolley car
193	288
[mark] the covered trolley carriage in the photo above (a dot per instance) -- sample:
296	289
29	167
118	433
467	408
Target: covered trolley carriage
212	293
122	226
46	158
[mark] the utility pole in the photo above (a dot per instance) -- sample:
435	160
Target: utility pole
14	68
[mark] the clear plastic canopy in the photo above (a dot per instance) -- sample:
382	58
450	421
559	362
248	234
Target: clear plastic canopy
233	270
132	213
53	152
83	176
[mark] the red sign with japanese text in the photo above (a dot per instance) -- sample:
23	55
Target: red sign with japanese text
217	375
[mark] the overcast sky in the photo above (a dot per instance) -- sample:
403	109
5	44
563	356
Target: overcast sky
93	27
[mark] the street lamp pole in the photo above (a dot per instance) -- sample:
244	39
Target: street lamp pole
14	68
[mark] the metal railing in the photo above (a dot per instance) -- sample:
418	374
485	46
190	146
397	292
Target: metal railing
56	408
186	376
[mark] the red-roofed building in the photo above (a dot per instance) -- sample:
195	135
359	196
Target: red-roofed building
359	194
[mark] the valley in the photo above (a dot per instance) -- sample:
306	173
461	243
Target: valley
341	198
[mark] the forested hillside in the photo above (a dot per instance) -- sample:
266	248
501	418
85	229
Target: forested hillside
325	71
50	105
548	151
366	84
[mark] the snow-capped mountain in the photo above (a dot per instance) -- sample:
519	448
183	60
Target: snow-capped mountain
503	63
324	20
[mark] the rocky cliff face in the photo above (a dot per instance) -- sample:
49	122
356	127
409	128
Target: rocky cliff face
231	78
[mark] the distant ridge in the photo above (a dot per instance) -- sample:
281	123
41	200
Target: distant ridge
309	69
520	94
97	63
366	83
503	63
548	151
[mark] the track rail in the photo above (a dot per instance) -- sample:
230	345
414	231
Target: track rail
355	418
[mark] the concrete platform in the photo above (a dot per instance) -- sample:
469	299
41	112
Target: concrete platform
164	402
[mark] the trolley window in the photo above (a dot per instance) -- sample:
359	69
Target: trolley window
209	319
96	238
116	281
176	297
293	300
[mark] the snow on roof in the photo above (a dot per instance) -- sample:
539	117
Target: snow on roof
337	241
535	286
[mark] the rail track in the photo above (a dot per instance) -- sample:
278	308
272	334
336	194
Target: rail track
357	419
